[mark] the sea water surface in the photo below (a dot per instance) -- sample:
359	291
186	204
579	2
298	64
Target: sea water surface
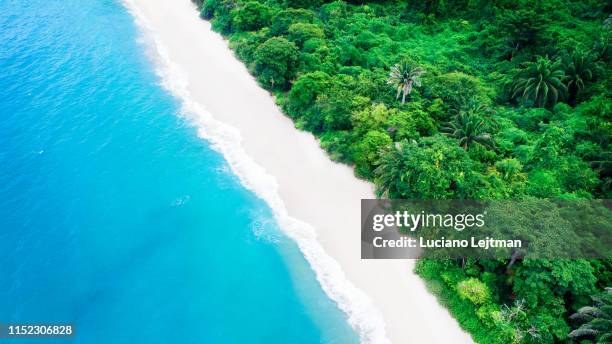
115	216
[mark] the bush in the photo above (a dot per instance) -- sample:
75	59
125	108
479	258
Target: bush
305	91
433	168
299	33
474	290
543	184
456	88
367	152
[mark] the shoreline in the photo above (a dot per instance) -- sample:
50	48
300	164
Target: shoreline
383	299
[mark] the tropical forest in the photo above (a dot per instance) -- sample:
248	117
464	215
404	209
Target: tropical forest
456	99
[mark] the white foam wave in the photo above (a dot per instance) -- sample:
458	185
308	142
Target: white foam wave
363	317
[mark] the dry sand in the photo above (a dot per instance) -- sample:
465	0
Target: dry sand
316	201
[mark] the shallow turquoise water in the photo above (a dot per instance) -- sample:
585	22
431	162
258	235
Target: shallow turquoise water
115	216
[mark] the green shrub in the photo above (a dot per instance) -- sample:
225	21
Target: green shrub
474	290
299	33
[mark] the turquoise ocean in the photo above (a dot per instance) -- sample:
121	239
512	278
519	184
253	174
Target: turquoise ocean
115	216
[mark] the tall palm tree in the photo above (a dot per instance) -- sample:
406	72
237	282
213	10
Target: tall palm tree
469	126
404	77
540	82
596	320
579	68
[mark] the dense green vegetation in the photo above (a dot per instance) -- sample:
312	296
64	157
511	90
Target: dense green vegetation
596	320
461	99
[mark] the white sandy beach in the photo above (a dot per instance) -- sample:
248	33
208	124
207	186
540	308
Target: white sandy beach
384	299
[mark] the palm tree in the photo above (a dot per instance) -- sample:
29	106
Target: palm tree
596	320
579	68
469	126
404	77
392	174
541	82
390	167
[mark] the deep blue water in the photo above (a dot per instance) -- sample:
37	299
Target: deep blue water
114	215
